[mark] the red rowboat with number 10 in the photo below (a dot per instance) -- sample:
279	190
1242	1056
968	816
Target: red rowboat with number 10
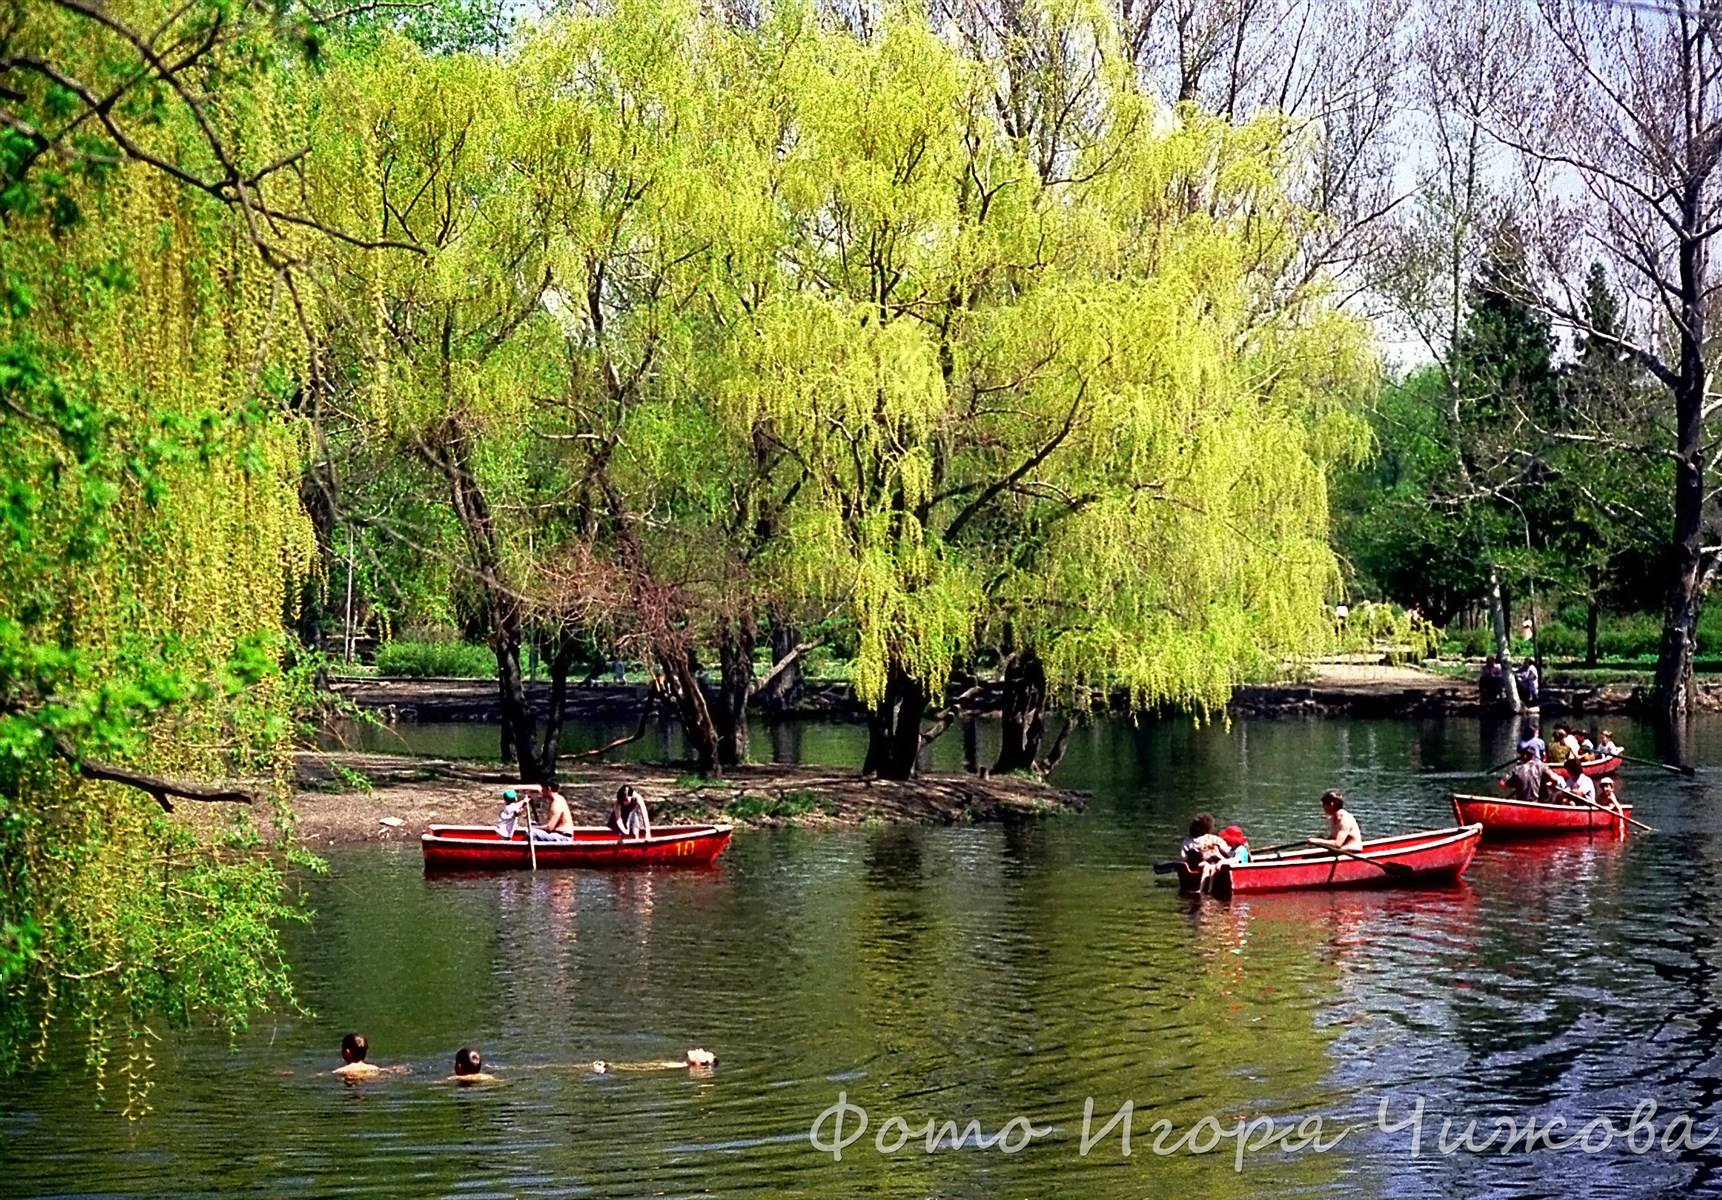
1437	856
1504	819
480	848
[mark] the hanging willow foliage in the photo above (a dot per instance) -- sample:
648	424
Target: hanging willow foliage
151	536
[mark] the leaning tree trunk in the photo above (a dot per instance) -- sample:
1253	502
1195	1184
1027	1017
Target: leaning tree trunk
561	662
1024	713
1592	611
894	727
1674	685
450	452
682	687
784	690
736	642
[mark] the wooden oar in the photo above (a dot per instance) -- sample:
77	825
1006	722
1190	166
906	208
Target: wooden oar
1651	762
1619	816
1399	870
1499	767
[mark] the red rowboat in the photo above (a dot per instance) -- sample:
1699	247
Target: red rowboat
479	848
1596	768
1503	819
1435	856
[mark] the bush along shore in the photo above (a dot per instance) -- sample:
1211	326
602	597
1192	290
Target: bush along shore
351	797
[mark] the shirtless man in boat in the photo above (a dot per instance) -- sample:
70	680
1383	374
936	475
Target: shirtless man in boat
560	821
696	1060
1342	826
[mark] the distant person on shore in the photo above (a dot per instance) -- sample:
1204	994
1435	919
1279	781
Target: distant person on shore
628	815
1527	778
355	1064
1529	693
1572	782
695	1060
469	1067
1343	831
1492	683
1532	740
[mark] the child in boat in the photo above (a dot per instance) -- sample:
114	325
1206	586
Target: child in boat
695	1060
1607	795
628	815
469	1067
1606	746
1203	850
1343	831
1240	845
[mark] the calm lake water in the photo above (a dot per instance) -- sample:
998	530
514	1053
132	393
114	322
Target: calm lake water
972	974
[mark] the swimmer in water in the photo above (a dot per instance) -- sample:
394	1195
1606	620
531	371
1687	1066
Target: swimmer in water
696	1060
469	1067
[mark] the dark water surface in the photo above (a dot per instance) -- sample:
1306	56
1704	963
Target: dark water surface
972	974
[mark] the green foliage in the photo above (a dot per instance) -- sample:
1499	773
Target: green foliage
755	806
421	660
150	536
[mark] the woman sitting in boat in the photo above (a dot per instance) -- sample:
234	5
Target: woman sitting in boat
1343	832
1203	850
628	815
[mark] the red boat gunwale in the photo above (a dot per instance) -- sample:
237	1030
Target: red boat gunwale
1433	856
1596	768
1504	818
479	847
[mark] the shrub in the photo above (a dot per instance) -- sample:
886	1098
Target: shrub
421	660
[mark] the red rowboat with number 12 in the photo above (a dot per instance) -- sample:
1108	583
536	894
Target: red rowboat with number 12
1504	819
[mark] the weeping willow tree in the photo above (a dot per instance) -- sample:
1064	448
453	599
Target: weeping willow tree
150	529
1043	384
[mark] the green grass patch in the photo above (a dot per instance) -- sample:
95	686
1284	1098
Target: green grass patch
752	806
424	660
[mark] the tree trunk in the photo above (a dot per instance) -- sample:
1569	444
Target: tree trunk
561	661
519	726
736	642
1592	612
1503	642
1024	723
971	745
1674	685
782	693
894	727
681	685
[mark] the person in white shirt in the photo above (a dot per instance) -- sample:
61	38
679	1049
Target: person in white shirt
1573	782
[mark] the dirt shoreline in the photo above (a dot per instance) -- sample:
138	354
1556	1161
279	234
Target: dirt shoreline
347	797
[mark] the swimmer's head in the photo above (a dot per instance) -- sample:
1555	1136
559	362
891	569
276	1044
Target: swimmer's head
701	1058
600	1066
354	1048
468	1061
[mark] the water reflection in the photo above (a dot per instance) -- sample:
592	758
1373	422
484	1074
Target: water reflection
968	973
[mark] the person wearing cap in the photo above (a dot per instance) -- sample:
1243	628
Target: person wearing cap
1234	837
1608	795
557	827
1343	831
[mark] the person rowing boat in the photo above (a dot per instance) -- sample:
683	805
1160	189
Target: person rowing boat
1343	830
1572	781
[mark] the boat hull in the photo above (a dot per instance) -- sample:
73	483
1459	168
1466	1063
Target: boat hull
1506	819
1433	857
479	848
1596	768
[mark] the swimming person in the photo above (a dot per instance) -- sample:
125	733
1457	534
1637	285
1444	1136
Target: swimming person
695	1060
1343	832
469	1067
354	1063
